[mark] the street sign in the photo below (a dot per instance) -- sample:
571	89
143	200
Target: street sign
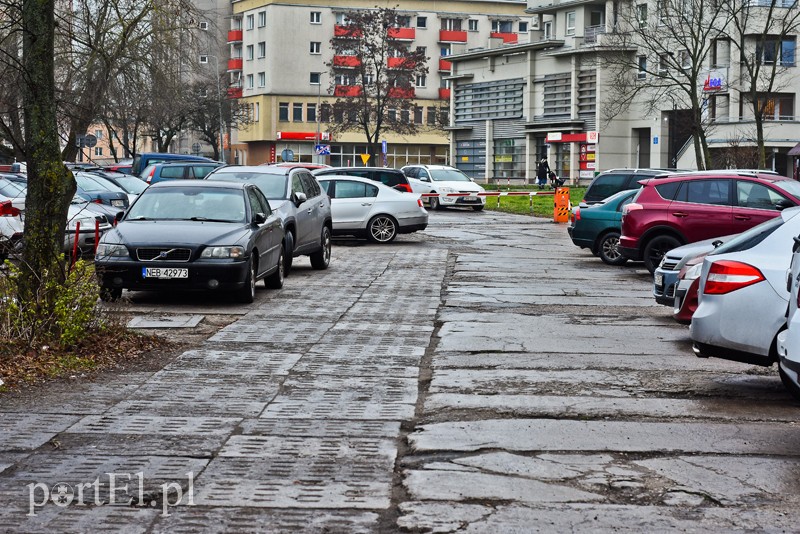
322	150
383	146
90	140
287	154
365	158
196	148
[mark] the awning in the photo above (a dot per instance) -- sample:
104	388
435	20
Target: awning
795	151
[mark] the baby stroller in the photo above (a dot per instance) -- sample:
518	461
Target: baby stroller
555	181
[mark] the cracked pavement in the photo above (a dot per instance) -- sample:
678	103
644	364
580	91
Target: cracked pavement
483	376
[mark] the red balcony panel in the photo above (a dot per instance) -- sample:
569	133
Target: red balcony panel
402	92
346	61
400	63
452	36
508	38
444	93
347	90
403	34
445	66
346	31
235	36
235	63
234	92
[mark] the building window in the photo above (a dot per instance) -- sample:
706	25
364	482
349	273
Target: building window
283	111
777	106
423	51
570	23
721	53
262	49
523	27
392	115
325	113
472	25
548	30
776	50
249	81
248	52
343	79
98	134
505	26
316	17
451	24
421	81
98	151
661	10
250	22
311	113
297	112
445	50
257	112
262	19
685	59
262	79
417	114
403	21
422	22
342	20
315	47
203	25
431	117
641	15
313	78
203	60
641	61
405	116
663	64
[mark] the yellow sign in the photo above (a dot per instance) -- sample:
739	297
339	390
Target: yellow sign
504	158
590	156
464	158
364	158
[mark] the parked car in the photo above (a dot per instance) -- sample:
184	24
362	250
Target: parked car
684	208
443	179
687	289
141	161
665	277
198	235
613	181
789	339
101	191
183	170
388	177
297	198
297	165
124	168
743	296
364	208
130	184
597	227
10	228
13	192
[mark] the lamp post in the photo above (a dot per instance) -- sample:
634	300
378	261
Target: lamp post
219	102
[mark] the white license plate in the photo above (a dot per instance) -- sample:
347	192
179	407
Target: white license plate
164	272
118	203
659	279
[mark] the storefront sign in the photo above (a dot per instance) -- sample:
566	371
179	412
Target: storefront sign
504	158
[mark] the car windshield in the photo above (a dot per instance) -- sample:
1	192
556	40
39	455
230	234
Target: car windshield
189	203
273	185
93	185
790	186
12	189
448	175
750	238
130	184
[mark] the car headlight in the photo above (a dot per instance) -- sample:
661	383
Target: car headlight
446	190
223	252
693	272
86	223
111	251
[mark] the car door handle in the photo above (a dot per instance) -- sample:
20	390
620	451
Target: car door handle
680	214
741	217
366	203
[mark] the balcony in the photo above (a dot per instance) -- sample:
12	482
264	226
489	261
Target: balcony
444	93
591	34
235	63
508	38
452	36
346	31
347	90
402	92
234	92
346	61
403	34
400	63
235	36
445	66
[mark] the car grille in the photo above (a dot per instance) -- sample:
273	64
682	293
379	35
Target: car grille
172	254
670	292
669	265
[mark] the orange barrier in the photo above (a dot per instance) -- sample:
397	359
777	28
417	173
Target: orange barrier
561	207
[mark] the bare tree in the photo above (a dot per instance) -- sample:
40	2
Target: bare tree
373	76
212	107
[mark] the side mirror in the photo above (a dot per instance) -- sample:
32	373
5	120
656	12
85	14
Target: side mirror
259	218
716	243
118	217
783	204
299	198
472	179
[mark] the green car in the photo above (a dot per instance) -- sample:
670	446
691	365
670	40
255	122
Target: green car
597	227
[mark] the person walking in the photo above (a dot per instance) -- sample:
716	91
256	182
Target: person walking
541	173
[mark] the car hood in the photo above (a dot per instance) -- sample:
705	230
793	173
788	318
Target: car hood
470	187
699	247
189	233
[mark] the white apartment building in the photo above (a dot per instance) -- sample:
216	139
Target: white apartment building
514	104
278	57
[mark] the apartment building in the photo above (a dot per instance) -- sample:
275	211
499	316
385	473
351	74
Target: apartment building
278	57
514	104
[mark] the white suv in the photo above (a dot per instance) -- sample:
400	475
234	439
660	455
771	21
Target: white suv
443	179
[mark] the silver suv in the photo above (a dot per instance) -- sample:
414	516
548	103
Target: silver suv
295	195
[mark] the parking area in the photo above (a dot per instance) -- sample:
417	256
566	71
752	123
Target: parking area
484	375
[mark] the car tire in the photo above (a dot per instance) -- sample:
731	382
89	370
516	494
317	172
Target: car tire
275	280
382	229
247	294
110	294
321	259
656	248
434	202
790	386
608	249
288	247
478	208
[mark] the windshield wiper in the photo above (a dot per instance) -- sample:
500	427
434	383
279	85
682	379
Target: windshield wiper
206	219
139	218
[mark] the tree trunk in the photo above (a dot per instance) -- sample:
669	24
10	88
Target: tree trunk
50	184
762	150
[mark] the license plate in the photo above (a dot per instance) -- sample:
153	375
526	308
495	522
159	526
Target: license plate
164	272
659	279
118	203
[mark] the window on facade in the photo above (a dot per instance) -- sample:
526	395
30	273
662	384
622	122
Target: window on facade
641	61
342	20
472	25
98	151
570	27
405	116
777	106
641	15
98	134
423	51
418	114
313	78
422	22
316	17
431	116
315	47
311	113
548	30
283	111
250	22
662	8
421	81
403	21
262	19
451	24
262	79
262	49
721	53
523	27
325	113
500	99
663	64
502	26
297	112
685	59
445	50
249	81
777	50
719	107
343	79
249	52
392	115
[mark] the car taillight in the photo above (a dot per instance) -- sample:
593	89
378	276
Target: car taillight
404	187
98	201
7	210
631	207
725	276
577	214
419	203
150	176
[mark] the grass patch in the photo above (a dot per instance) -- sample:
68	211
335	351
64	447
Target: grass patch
542	205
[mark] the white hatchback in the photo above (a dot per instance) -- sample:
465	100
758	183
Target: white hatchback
789	339
445	180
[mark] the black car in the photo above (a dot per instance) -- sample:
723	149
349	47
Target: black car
613	181
194	235
390	177
101	191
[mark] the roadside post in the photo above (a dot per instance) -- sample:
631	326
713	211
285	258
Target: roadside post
561	205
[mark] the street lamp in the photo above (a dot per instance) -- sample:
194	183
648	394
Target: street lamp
219	101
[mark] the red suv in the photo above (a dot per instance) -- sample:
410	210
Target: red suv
683	208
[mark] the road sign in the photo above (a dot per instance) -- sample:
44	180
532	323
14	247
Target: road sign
383	146
196	148
365	158
322	150
90	140
287	154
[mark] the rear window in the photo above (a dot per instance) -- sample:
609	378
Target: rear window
171	172
750	238
391	178
606	185
668	190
